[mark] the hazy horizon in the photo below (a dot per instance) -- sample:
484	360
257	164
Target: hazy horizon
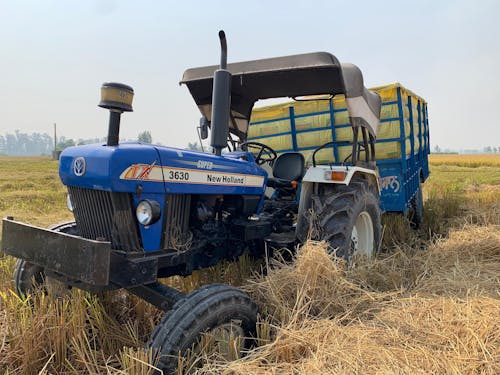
56	55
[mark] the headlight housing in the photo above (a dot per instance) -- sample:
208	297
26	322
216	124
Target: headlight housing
148	212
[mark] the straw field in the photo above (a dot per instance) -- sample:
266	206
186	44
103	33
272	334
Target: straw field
430	302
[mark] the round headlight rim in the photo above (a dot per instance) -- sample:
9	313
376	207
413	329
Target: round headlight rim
154	209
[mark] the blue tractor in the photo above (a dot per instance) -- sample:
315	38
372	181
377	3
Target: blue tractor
144	212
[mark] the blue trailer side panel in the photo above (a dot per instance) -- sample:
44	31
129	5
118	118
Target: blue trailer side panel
400	176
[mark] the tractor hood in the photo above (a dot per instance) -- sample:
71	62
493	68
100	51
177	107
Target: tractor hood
158	169
99	166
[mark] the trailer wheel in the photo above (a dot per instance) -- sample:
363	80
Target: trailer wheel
416	209
348	218
28	277
216	316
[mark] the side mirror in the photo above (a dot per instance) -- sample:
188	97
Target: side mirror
204	128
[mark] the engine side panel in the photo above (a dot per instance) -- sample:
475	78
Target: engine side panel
189	172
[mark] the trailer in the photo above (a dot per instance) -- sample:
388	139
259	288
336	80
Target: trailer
401	149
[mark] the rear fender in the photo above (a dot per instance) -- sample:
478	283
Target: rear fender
322	173
318	175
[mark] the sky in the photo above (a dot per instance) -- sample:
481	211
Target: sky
54	56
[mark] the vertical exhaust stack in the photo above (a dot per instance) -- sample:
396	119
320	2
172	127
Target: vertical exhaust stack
221	101
116	97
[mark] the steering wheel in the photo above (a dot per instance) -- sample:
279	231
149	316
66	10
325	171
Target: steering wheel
265	154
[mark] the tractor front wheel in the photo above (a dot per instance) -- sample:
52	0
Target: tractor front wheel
29	277
216	317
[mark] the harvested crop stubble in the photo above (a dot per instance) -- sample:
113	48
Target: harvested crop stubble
314	285
466	263
431	335
436	311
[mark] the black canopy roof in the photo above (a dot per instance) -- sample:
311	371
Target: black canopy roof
288	76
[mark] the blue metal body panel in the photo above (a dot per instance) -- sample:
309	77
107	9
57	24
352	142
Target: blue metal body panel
151	235
230	163
104	165
154	171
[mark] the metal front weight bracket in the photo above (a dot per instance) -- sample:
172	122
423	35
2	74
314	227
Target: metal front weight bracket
127	272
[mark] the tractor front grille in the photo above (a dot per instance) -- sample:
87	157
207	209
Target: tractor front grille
176	233
105	216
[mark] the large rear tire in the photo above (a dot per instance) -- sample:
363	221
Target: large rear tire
348	218
29	277
212	309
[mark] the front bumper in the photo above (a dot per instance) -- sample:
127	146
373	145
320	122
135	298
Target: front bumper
81	261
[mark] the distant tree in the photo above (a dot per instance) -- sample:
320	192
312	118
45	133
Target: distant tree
64	143
145	137
488	149
11	144
23	144
90	141
437	149
194	147
3	146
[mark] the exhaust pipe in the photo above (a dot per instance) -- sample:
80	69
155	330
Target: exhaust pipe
221	101
116	97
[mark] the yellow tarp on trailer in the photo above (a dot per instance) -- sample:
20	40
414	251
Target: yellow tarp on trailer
313	124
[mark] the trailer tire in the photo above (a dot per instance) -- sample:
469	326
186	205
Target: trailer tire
416	209
348	218
214	306
28	277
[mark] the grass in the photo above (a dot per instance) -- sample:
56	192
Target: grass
31	190
428	304
476	160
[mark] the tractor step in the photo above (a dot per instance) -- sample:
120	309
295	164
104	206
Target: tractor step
281	240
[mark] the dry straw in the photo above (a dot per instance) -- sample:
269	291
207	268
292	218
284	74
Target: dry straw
408	313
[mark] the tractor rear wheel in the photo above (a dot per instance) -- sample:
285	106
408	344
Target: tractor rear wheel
348	218
28	277
216	317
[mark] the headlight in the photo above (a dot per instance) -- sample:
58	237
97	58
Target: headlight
69	203
148	212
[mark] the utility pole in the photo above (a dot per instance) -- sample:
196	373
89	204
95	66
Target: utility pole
54	153
55	137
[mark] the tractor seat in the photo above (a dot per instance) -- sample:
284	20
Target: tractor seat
288	170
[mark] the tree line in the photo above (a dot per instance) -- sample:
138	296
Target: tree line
35	144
